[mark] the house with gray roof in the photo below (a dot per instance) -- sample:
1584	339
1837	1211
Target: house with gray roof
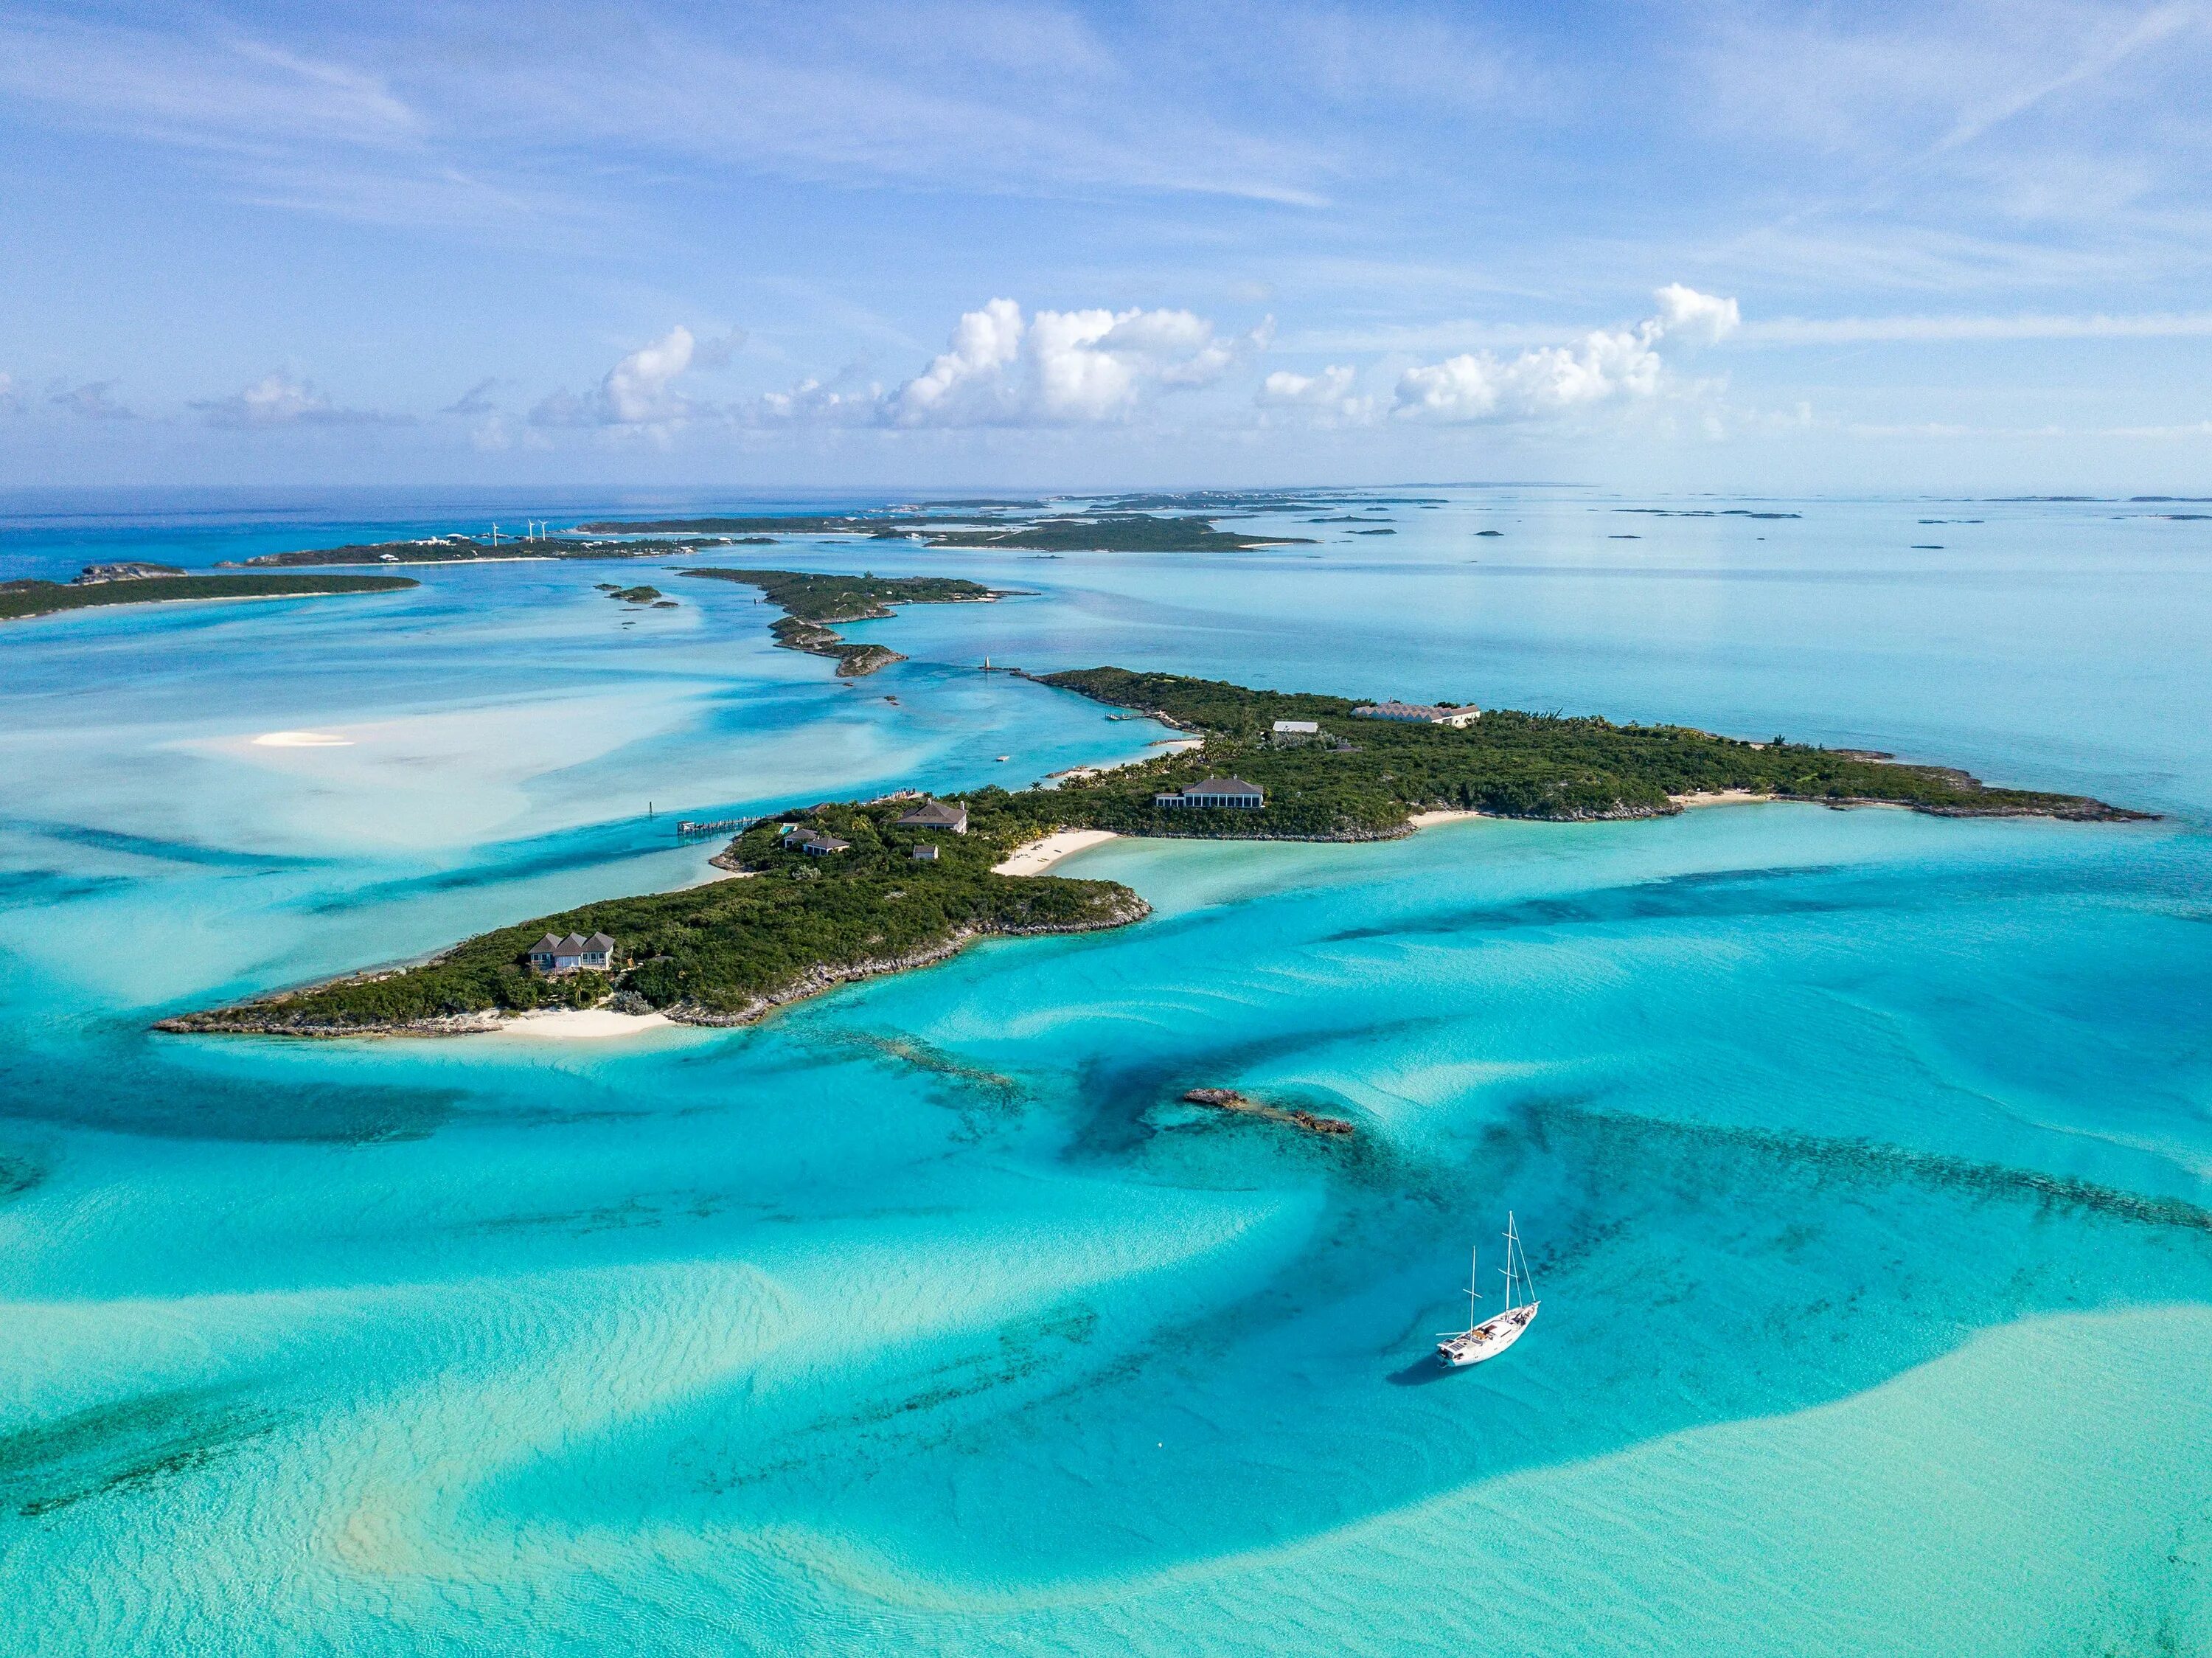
936	815
574	953
1232	792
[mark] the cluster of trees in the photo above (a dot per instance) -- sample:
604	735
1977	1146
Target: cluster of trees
722	947
805	596
1506	763
20	599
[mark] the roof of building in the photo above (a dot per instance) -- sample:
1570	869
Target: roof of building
1224	786
826	843
1436	712
573	944
932	813
1297	725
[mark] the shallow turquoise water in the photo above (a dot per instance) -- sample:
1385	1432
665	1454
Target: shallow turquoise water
1860	1154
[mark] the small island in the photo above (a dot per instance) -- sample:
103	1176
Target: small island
159	584
839	892
843	891
812	603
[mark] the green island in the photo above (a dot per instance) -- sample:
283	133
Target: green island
468	549
793	923
812	603
1101	532
844	890
19	600
1361	779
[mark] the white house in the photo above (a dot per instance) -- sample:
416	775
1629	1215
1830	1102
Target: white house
576	953
923	854
1232	792
1298	727
1420	713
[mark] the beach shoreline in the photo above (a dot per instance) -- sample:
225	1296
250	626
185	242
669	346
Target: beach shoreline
1038	855
581	1024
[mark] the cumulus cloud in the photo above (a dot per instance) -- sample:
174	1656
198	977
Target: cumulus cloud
1326	396
1063	368
93	401
640	389
281	400
1604	365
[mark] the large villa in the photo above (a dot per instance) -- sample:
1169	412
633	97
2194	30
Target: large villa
1232	792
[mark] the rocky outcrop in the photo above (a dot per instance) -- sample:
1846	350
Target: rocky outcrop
1244	1105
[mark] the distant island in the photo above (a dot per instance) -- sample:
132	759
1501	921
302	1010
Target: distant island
845	890
812	603
1100	532
160	584
467	550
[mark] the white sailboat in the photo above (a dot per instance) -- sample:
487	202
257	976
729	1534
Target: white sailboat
1490	1337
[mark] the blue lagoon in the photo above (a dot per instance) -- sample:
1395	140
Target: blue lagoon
1864	1157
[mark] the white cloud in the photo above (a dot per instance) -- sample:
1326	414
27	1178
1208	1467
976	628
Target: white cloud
1603	365
1064	368
972	368
278	398
1700	319
93	401
640	390
1326	396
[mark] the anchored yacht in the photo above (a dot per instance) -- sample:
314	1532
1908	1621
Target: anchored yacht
1491	1336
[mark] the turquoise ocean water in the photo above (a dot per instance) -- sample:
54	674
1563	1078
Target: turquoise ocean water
1864	1159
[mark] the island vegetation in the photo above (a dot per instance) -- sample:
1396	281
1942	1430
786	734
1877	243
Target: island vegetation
812	603
1360	778
796	923
801	921
1098	532
470	550
19	600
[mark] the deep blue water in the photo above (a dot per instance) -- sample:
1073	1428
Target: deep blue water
1862	1157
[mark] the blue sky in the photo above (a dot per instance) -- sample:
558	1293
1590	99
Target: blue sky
1669	246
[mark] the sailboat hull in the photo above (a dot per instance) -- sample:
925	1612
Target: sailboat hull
1487	1339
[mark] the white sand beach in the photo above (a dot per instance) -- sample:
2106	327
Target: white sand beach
1722	797
1429	819
584	1025
1039	855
